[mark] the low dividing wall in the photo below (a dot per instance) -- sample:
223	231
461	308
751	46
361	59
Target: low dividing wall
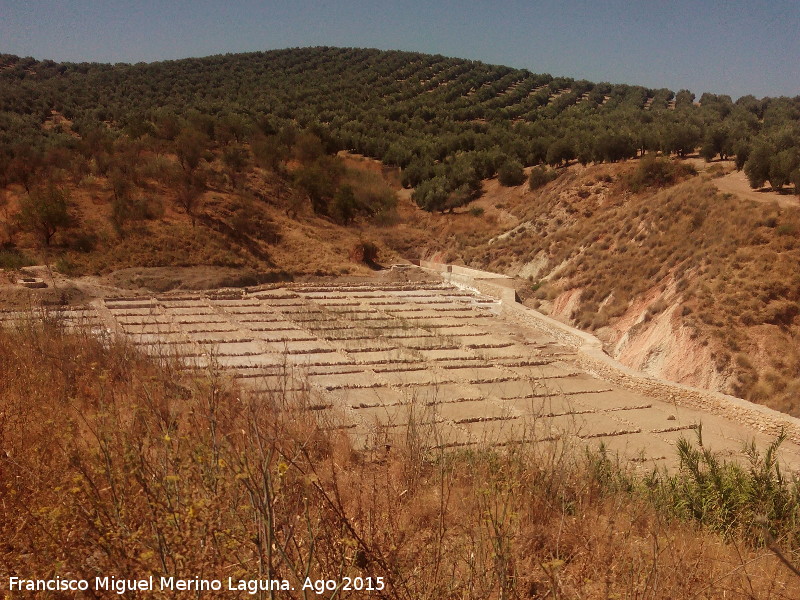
593	359
488	284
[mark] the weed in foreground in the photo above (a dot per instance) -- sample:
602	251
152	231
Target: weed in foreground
114	463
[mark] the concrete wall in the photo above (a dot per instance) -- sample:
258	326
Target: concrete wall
594	360
490	284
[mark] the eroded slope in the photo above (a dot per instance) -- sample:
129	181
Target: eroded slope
376	356
682	282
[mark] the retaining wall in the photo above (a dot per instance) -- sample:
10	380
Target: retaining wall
593	359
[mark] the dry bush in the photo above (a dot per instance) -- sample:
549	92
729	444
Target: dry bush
653	171
733	264
113	463
364	252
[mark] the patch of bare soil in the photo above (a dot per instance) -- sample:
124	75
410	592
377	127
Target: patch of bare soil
735	182
162	279
57	290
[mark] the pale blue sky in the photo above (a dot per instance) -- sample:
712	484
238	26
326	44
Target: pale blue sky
734	47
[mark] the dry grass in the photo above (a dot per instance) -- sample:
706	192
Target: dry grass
260	223
729	267
113	463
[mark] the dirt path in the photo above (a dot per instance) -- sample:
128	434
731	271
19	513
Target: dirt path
735	182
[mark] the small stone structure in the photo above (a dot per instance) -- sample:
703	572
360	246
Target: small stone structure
460	359
32	282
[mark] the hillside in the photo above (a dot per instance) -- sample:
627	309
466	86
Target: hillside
662	223
447	122
678	279
239	169
261	226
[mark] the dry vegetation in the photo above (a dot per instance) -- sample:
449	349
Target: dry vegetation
112	463
631	239
256	221
722	268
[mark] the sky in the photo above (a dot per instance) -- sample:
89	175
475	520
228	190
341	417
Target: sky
734	47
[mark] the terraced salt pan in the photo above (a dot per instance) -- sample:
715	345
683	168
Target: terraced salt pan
370	357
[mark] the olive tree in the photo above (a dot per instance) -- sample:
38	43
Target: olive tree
44	211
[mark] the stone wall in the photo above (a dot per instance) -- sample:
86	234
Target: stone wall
592	358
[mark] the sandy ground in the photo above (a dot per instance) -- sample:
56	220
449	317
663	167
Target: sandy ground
371	355
735	182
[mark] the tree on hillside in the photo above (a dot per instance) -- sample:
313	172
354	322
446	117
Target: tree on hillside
235	157
190	188
44	211
752	105
722	104
707	151
717	140
231	128
23	167
684	98
757	166
613	147
268	152
742	151
796	180
781	167
190	146
510	174
126	205
121	184
318	185
560	152
536	151
399	155
138	126
343	206
680	138
308	147
167	125
432	194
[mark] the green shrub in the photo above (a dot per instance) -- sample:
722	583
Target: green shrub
732	499
657	172
432	194
511	174
343	206
540	176
14	259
